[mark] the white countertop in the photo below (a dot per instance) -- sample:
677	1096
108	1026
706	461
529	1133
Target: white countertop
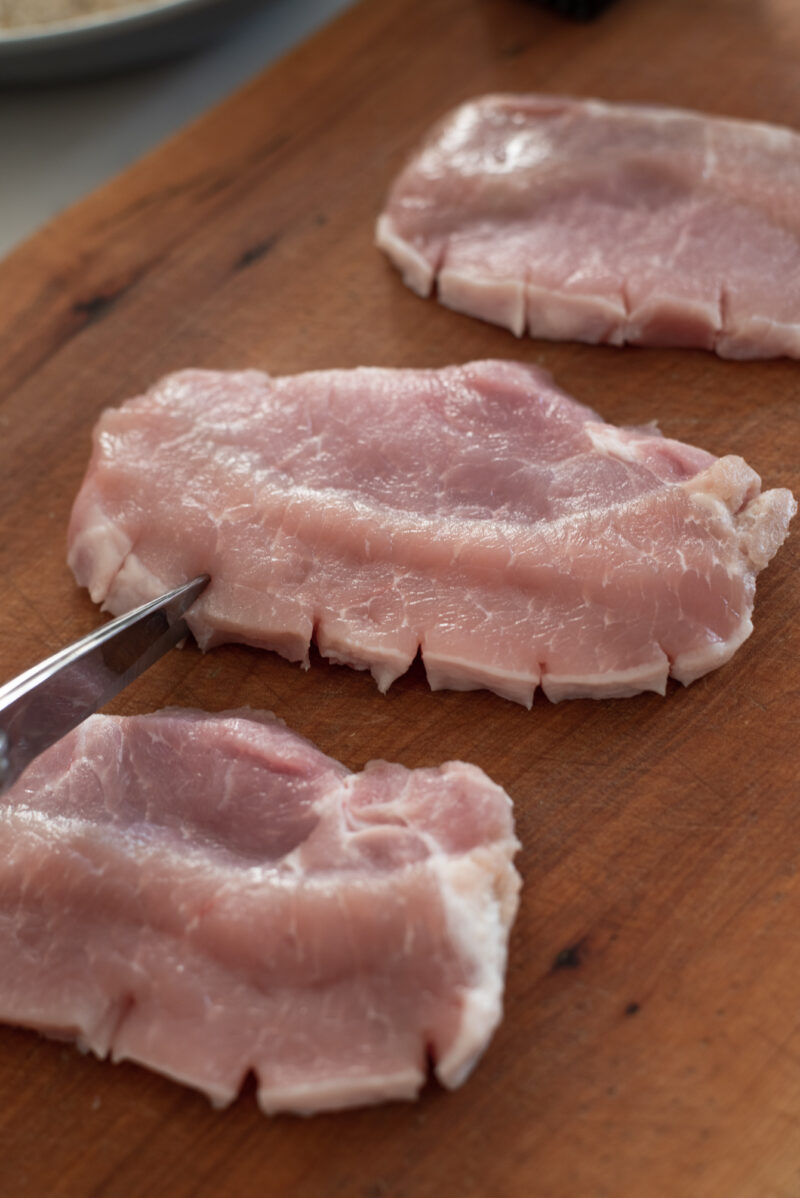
59	142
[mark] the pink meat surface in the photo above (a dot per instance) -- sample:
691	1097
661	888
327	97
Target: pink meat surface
211	895
475	513
606	223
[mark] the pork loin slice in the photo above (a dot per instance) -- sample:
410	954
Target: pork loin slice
210	894
476	513
606	223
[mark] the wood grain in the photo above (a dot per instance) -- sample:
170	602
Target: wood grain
651	1044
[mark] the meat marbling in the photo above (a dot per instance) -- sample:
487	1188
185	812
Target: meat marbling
606	223
210	894
476	513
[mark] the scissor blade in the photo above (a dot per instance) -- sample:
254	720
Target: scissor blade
43	704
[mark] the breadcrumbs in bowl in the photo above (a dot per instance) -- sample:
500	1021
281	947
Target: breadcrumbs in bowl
18	14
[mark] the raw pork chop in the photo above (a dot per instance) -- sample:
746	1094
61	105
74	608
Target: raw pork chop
476	513
606	222
210	894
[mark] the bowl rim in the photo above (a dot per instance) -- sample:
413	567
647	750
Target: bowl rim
134	14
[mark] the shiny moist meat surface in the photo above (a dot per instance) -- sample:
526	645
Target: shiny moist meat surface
476	514
577	219
210	895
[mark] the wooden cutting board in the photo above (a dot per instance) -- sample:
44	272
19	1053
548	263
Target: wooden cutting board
651	1042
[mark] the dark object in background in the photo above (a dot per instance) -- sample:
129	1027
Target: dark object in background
579	10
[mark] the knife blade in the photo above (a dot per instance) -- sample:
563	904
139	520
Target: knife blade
45	702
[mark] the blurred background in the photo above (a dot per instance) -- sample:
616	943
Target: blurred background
74	110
